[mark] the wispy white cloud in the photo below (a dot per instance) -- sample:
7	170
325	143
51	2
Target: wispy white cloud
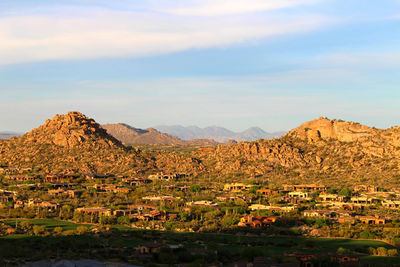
229	7
94	33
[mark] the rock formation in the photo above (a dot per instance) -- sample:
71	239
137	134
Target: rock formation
344	131
71	130
73	141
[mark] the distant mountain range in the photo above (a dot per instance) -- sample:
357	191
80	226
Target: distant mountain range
176	135
8	135
216	133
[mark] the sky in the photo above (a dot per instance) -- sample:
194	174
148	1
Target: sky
232	63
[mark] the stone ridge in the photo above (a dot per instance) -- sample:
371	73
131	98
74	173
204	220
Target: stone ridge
344	131
71	130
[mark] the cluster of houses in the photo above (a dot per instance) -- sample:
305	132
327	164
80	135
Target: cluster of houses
343	208
135	212
333	206
37	203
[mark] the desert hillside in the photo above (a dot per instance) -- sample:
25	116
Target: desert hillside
133	136
74	142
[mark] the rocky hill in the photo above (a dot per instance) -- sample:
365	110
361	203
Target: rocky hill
344	131
329	151
131	135
76	142
71	130
377	142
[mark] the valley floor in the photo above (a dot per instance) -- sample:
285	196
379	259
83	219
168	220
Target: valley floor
120	244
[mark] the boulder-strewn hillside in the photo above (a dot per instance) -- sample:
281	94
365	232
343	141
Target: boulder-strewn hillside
321	150
71	130
372	141
325	129
219	134
130	135
75	142
326	151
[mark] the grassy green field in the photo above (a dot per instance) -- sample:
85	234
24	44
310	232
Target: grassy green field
127	239
48	223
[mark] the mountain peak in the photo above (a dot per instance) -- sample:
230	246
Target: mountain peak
324	129
71	130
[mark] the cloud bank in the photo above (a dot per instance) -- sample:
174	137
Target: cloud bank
85	33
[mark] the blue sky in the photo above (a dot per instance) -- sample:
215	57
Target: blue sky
232	63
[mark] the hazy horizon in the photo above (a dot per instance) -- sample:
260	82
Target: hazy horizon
234	64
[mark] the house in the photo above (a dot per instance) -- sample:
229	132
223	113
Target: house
259	207
371	219
53	178
63	185
272	208
151	248
365	188
293	200
236	187
122	212
161	198
257	221
136	181
233	197
63	192
391	204
166	177
33	202
362	200
204	203
268	192
98	211
319	213
345	205
141	207
148	216
50	206
298	194
305	187
331	197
